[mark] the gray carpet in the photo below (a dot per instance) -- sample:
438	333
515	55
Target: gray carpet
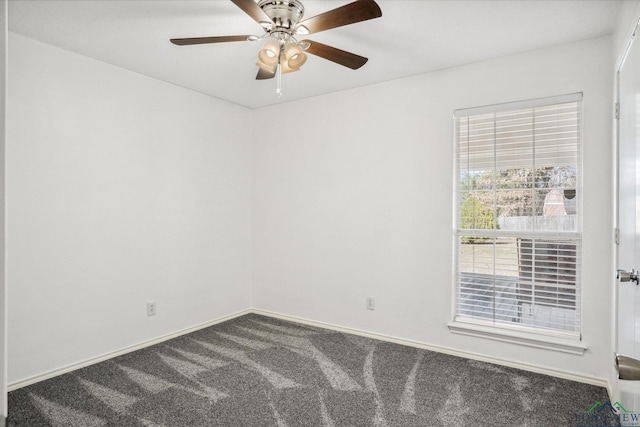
259	371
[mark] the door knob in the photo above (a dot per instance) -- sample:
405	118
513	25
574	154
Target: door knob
628	276
628	368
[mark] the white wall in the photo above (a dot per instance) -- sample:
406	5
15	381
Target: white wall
120	189
625	21
356	199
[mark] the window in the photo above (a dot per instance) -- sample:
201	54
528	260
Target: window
518	216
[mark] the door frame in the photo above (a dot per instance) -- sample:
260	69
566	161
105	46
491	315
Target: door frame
631	34
4	15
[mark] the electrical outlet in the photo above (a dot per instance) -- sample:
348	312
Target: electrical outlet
371	303
151	308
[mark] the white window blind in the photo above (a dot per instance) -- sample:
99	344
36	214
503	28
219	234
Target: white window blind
518	221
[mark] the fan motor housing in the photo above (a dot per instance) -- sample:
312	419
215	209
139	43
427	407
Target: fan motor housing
284	13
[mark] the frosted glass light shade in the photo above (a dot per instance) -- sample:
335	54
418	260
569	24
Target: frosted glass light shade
268	55
295	56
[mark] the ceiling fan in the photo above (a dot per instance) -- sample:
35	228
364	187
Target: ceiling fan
282	23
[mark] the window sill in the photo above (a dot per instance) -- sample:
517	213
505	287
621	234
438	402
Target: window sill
547	342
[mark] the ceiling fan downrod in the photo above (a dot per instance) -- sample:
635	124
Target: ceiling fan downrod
284	14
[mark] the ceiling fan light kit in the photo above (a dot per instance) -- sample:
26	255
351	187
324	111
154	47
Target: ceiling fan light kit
287	53
282	22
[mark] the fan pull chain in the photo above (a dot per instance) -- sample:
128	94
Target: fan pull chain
279	80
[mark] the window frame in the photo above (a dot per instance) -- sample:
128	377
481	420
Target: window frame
524	335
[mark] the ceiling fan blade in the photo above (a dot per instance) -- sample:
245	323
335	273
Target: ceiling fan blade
252	9
264	74
358	11
342	57
204	40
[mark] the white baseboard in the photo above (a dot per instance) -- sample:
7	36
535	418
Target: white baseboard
572	376
82	364
416	344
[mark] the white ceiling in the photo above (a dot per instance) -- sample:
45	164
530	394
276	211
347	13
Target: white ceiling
412	37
